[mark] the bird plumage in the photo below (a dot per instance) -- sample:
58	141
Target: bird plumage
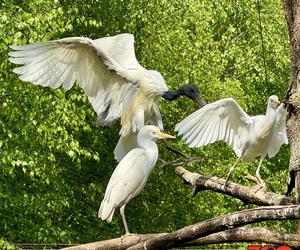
222	120
116	84
249	136
131	174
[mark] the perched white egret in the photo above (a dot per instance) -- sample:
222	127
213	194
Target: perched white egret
131	174
110	75
248	136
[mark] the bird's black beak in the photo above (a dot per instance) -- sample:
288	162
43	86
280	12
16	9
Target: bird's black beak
200	101
196	95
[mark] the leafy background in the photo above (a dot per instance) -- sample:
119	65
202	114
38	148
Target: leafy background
55	162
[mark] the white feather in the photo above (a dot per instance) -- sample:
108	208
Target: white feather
131	174
106	69
225	120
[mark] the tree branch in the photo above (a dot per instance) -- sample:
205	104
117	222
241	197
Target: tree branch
244	193
240	234
115	244
221	223
249	234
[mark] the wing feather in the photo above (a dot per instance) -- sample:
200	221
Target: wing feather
62	62
215	135
201	139
191	134
225	120
106	69
121	49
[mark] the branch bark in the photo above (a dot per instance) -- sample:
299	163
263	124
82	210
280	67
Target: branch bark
292	12
221	223
249	234
241	234
244	193
115	244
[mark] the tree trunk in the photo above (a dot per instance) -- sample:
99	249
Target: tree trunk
292	12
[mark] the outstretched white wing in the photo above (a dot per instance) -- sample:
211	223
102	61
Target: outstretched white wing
103	75
279	135
121	49
222	120
109	73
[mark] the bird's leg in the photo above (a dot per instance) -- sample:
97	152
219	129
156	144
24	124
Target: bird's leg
174	150
231	170
261	181
122	212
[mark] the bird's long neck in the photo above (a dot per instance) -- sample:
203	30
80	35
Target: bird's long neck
271	112
172	94
151	150
267	125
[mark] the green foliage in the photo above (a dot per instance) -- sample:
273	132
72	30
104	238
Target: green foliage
55	163
4	245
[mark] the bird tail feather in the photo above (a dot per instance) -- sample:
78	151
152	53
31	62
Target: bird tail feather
106	211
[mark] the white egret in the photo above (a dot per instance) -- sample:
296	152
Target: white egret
131	174
248	136
110	75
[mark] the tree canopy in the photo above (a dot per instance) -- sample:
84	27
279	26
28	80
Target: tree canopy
55	162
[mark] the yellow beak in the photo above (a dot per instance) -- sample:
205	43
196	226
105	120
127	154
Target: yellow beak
161	135
277	102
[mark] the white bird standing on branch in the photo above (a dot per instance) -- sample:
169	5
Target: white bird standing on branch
110	75
131	174
248	136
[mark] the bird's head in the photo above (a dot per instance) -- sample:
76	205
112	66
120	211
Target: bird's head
191	91
153	133
274	101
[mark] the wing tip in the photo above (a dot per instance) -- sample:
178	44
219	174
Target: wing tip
15	47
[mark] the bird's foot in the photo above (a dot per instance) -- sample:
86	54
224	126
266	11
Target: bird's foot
224	185
128	234
128	237
263	185
226	180
260	186
257	188
259	183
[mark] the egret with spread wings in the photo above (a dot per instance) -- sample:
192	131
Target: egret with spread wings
131	174
249	136
116	84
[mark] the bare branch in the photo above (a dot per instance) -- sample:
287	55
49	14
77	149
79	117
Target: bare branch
174	150
115	244
241	234
218	224
244	193
249	234
179	162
